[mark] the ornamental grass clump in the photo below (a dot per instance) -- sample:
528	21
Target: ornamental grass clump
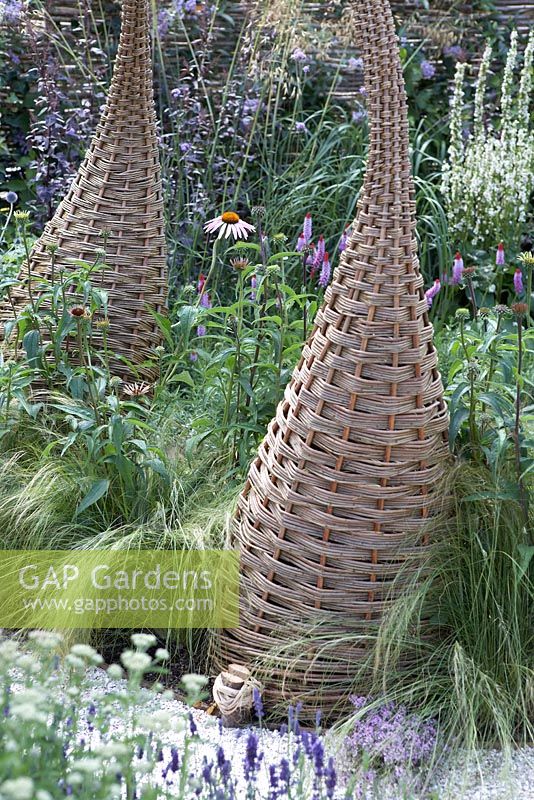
488	178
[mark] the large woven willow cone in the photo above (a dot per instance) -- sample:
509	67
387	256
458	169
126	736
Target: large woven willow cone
118	189
345	484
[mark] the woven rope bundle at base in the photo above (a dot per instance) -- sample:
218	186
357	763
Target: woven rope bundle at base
344	489
117	189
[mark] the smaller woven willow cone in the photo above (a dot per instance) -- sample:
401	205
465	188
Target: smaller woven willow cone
341	495
117	189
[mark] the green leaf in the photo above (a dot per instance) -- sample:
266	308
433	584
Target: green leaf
526	553
182	377
280	256
97	490
31	344
244	246
457	420
157	466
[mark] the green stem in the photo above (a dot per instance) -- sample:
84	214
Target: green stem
523	498
28	265
210	272
529	296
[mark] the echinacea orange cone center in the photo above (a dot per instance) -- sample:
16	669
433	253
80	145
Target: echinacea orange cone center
230	217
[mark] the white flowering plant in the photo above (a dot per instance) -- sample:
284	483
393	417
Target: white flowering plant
67	730
56	741
488	178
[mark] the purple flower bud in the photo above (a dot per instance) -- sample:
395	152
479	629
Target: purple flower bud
301	243
319	254
324	277
518	281
201	330
432	292
258	703
307	228
500	257
457	269
344	238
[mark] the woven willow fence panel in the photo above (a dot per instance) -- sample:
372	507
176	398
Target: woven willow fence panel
345	483
118	189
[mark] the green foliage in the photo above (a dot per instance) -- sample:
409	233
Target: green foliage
460	642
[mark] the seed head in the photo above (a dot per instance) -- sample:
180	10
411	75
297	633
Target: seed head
519	309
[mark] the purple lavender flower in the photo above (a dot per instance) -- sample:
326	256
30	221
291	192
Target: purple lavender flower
428	70
201	330
258	703
164	22
359	116
192	725
274	783
330	779
355	64
253	758
455	51
224	766
300	127
500	257
285	772
301	243
518	281
299	55
324	277
193	356
392	736
12	12
174	763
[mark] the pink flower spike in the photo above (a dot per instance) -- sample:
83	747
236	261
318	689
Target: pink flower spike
301	243
344	239
500	257
432	292
518	281
319	252
307	228
324	277
457	268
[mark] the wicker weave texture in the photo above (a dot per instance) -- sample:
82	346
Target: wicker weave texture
118	189
345	482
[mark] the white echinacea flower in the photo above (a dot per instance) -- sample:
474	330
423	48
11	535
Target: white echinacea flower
229	224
